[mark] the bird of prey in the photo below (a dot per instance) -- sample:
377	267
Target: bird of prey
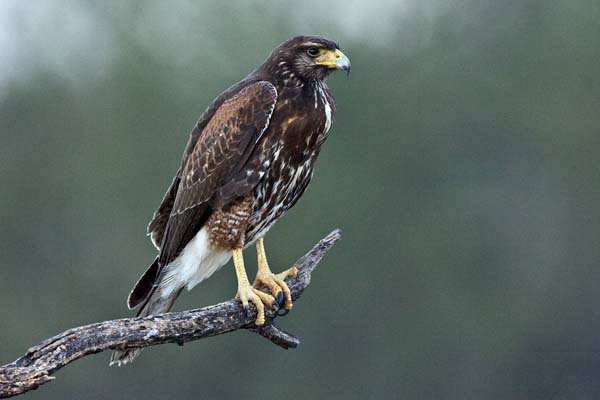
248	160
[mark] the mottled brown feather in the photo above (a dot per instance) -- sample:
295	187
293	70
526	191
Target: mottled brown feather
220	152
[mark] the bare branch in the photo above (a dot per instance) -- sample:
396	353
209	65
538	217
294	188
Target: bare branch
35	367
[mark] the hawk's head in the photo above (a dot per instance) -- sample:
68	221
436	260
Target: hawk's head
305	58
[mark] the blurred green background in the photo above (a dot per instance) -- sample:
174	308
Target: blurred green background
463	168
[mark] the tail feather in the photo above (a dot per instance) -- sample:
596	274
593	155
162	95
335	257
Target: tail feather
159	286
155	304
144	286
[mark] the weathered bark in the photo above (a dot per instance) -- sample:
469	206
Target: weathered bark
35	367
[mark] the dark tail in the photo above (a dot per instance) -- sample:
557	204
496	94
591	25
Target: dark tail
155	304
144	286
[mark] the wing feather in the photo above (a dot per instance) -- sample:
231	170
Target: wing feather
221	151
158	224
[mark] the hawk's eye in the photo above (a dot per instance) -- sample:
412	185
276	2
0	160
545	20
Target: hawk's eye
313	51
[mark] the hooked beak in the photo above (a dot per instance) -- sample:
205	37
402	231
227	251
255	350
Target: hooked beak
335	60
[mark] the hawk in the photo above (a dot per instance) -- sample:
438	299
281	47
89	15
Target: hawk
248	160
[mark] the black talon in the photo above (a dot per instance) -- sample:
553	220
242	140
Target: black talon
280	300
282	311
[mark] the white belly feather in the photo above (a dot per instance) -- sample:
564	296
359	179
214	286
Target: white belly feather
197	262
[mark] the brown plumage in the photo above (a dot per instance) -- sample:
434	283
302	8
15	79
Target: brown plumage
248	160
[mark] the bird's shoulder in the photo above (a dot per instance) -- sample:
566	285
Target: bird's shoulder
247	87
257	98
228	137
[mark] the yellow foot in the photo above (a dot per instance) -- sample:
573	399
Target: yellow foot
276	284
247	293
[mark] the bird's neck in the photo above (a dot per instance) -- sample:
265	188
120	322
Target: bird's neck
282	75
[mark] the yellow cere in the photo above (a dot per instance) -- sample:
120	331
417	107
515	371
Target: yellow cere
329	58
